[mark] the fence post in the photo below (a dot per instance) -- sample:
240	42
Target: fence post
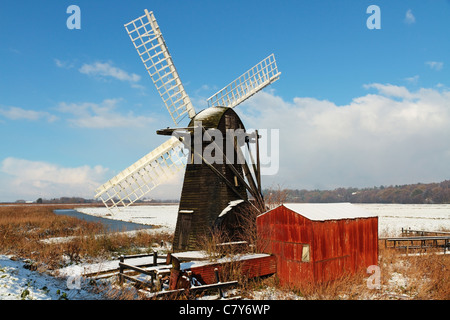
216	273
175	273
121	260
155	258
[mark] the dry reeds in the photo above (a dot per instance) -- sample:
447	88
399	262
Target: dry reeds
421	275
23	229
406	277
276	195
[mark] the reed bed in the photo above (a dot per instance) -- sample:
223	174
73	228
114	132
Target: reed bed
23	229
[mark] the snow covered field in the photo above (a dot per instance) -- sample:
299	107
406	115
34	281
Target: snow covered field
164	216
17	282
392	217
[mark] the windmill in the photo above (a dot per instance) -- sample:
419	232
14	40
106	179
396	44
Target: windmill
213	191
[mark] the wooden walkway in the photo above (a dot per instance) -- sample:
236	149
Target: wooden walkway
418	242
423	232
187	273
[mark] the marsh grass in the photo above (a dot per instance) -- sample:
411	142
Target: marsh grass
420	275
22	229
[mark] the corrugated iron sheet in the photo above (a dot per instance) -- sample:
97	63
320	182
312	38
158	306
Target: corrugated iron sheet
337	247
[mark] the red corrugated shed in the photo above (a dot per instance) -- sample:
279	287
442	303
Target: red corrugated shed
318	242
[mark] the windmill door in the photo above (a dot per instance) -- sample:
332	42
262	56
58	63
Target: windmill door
185	228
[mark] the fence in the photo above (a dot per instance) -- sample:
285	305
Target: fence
155	270
417	242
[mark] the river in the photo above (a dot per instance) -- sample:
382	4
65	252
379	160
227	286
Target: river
110	224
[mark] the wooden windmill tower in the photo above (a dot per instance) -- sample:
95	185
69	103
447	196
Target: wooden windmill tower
219	180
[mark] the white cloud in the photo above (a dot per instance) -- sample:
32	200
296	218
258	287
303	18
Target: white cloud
435	65
35	179
390	90
63	64
102	115
394	136
413	80
409	17
108	70
16	113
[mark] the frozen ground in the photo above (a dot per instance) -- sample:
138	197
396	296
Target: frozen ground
164	216
17	282
393	217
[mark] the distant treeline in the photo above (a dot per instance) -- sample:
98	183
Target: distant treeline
65	200
412	193
79	200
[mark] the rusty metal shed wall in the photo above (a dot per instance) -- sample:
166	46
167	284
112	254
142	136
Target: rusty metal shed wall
337	247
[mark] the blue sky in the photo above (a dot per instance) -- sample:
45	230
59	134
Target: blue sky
354	106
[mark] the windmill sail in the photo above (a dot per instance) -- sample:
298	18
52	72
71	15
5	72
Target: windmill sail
252	81
146	36
143	176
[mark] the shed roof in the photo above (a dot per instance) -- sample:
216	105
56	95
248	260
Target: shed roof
328	211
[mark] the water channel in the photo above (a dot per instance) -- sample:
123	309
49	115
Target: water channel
110	224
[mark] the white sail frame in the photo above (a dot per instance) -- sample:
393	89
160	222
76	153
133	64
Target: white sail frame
133	183
252	81
147	38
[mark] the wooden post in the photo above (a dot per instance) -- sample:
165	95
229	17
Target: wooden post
152	278
174	273
121	259
216	273
155	258
159	283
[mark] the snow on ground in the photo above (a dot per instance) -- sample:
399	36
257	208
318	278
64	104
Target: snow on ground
158	215
393	217
17	282
93	268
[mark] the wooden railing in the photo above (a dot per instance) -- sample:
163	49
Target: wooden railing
418	242
406	231
155	270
